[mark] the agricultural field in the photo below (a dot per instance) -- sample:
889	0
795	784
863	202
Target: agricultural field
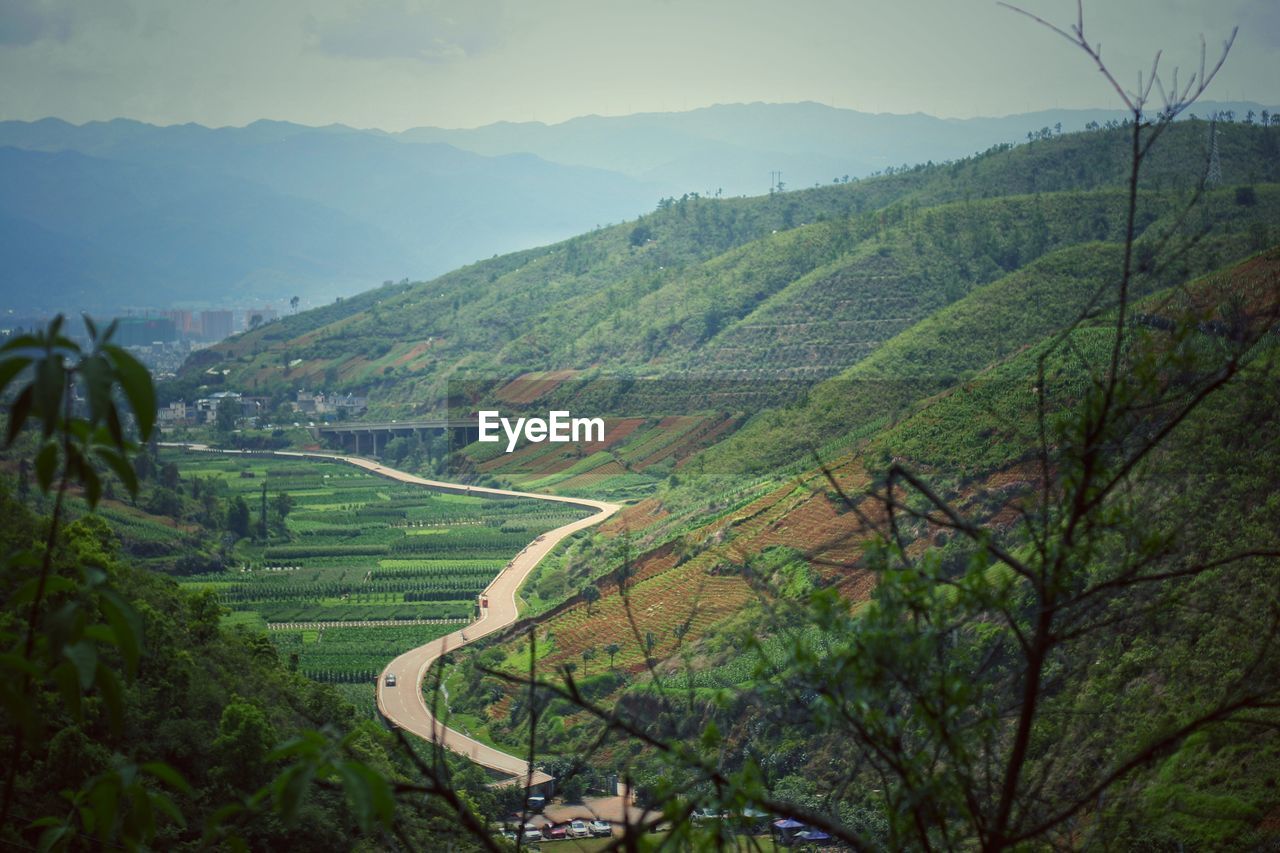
637	454
357	569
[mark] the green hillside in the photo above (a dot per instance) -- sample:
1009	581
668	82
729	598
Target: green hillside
716	282
739	629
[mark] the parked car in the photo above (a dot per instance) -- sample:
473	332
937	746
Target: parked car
601	828
391	679
557	833
532	835
579	829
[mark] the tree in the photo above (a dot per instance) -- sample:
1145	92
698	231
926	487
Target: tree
588	655
143	467
169	477
293	303
612	651
245	737
641	234
238	517
227	416
262	514
73	725
43	374
973	729
282	505
590	594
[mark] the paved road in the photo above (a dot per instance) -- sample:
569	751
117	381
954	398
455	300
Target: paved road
405	705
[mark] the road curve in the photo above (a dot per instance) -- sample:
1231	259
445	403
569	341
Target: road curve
405	705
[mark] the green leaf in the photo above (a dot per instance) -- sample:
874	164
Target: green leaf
309	744
220	816
103	799
92	482
125	625
117	462
18	414
95	372
64	675
94	577
114	429
11	367
84	657
289	788
141	816
19	707
49	387
358	794
136	383
21	342
17	663
108	684
375	792
164	804
167	775
52	586
53	837
101	634
46	464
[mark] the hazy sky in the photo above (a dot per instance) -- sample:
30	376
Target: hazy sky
460	63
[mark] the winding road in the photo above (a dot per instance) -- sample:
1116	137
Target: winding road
404	705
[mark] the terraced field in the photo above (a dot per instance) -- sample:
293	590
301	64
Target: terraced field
397	565
636	453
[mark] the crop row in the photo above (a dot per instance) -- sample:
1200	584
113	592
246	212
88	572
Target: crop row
461	540
294	552
276	611
426	589
482	569
341	676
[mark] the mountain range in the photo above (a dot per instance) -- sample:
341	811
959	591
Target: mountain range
112	214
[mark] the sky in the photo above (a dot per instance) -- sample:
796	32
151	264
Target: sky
394	64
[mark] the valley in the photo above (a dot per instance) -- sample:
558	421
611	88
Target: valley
924	510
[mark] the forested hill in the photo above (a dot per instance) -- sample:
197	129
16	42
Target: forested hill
797	284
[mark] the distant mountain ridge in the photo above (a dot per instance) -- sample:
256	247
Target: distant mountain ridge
116	213
157	215
734	147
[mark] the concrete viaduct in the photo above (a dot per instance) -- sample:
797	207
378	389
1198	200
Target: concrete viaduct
371	436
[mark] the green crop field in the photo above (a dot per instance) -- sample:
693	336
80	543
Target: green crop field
356	548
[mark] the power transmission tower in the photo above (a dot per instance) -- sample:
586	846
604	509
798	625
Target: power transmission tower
1214	175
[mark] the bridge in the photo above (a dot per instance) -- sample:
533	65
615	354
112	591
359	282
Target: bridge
371	436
